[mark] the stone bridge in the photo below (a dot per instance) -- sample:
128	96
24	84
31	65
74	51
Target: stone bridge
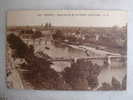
106	59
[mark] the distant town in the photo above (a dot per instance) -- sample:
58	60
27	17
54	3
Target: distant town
109	38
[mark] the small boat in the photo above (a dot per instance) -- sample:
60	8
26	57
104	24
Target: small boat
47	48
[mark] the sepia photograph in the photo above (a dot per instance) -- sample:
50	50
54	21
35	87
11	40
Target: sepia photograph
66	50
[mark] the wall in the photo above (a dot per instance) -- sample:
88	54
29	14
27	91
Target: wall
13	94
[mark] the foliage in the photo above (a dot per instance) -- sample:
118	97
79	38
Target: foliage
84	71
58	35
15	43
37	70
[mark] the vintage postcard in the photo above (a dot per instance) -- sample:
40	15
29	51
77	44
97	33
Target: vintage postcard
66	49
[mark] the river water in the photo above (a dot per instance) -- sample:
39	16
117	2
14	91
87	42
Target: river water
117	69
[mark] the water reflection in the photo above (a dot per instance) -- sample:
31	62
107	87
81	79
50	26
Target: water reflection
107	74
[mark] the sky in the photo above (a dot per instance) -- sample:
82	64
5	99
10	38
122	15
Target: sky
87	18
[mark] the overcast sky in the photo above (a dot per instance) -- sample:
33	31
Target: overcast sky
67	18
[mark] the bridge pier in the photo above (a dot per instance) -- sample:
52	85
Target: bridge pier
107	62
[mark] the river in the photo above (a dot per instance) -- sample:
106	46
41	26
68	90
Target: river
55	50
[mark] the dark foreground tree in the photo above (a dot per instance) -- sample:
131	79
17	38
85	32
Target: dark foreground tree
124	82
18	46
36	71
82	75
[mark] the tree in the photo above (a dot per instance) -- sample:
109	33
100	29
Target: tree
38	71
20	48
124	82
58	35
36	35
82	74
